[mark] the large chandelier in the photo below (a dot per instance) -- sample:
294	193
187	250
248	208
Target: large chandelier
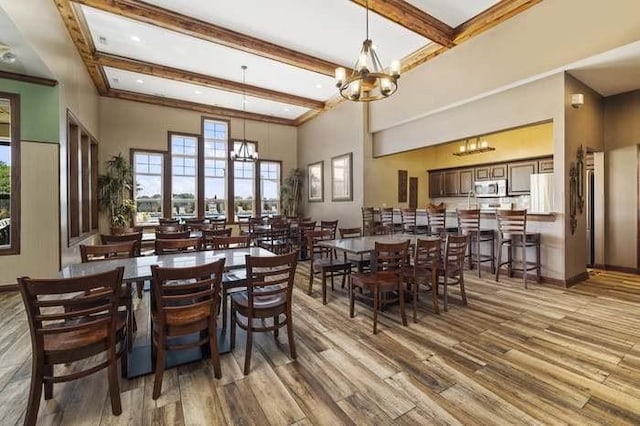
243	152
368	81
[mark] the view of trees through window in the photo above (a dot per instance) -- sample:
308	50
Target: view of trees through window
147	170
215	168
184	177
270	187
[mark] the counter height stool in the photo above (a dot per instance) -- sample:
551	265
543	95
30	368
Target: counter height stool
469	224
386	221
436	219
409	221
368	221
512	232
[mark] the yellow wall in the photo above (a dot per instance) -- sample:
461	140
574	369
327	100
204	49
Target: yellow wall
382	180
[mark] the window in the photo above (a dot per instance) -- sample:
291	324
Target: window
9	173
270	176
184	175
82	183
148	175
215	167
244	178
341	178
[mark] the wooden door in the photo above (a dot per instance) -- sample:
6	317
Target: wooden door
465	181
520	177
435	184
413	193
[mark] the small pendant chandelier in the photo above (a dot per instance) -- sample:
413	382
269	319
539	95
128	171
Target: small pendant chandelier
368	81
243	152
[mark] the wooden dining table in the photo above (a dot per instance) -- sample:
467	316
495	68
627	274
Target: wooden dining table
140	360
367	245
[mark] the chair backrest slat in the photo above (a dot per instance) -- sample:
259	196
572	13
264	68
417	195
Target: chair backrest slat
121	250
219	243
270	276
350	232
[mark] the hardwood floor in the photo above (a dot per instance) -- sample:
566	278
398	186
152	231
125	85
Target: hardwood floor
539	356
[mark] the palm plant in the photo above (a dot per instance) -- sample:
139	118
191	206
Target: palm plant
291	192
114	189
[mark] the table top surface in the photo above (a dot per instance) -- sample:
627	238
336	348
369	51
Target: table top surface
139	268
364	245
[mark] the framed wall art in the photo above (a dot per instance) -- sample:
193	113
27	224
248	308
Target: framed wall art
315	181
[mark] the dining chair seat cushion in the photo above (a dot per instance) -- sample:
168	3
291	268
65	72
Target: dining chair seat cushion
327	263
241	299
233	277
74	340
382	279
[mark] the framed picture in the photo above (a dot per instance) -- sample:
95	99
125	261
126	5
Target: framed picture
315	181
342	178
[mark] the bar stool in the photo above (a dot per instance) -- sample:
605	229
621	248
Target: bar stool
469	224
386	220
409	221
512	232
368	223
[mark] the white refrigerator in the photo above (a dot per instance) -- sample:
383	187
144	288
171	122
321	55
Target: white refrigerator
541	193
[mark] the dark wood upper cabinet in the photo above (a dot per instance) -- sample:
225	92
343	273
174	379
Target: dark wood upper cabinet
499	171
519	180
465	181
491	172
436	184
545	165
483	173
451	178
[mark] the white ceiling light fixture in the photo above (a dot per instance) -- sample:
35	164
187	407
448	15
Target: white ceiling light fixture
135	38
243	152
140	81
368	81
7	56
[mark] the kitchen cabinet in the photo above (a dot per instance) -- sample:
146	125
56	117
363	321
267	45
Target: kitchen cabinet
451	183
436	184
545	165
465	181
491	172
519	180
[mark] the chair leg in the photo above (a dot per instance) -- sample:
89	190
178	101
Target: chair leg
499	263
463	293
376	297
446	305
248	347
538	262
35	392
114	387
139	287
310	279
324	286
232	335
478	263
434	291
351	299
47	371
292	344
415	300
276	328
524	261
225	296
213	345
493	253
403	312
160	363
510	247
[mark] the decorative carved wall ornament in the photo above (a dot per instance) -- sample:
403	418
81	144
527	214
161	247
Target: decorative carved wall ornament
580	178
573	197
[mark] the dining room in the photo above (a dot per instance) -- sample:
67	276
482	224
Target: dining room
320	212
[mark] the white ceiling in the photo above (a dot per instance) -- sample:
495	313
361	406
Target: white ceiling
150	85
453	12
613	72
327	29
27	61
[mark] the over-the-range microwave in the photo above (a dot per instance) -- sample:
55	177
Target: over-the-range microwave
490	188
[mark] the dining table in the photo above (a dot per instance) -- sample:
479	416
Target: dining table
140	360
367	244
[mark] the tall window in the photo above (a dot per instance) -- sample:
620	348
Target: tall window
215	167
184	175
9	174
244	178
148	168
270	187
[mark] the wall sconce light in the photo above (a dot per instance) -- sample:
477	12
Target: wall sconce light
577	100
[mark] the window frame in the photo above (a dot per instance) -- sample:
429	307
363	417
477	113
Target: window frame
232	189
13	247
259	186
199	171
229	169
166	178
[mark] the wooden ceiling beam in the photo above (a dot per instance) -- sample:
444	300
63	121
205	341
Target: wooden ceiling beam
496	14
203	80
412	18
81	37
186	25
197	107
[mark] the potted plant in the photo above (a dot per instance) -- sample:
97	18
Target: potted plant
291	193
114	188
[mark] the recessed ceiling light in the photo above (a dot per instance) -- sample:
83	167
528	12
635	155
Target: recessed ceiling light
135	38
286	109
139	81
197	92
319	86
246	101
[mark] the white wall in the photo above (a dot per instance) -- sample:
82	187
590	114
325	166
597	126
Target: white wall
336	132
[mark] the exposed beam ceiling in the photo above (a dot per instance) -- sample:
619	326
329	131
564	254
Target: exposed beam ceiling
173	21
193	106
203	80
412	18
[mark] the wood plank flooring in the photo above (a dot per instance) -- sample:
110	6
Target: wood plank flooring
539	356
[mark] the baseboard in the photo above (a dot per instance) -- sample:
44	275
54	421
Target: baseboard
616	268
583	276
5	288
530	276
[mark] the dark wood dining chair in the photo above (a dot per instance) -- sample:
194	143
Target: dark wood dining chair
66	329
172	235
409	221
452	266
386	221
361	262
331	226
325	262
170	228
278	239
125	237
168	221
368	221
219	223
182	245
385	283
257	230
194	221
209	234
426	261
300	238
231	280
185	302
267	297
